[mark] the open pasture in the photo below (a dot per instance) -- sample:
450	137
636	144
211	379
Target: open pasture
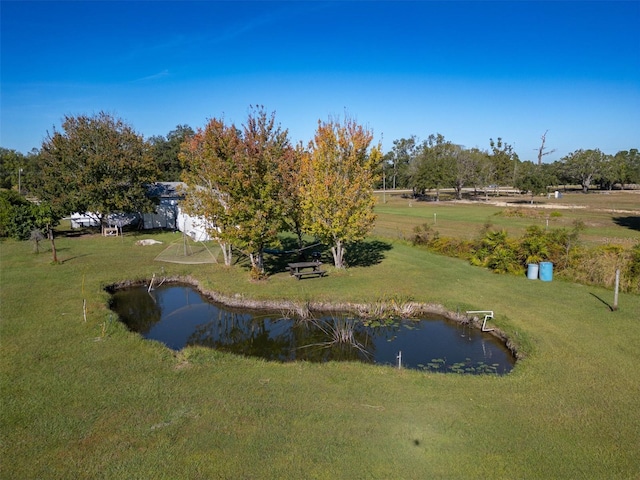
608	217
88	399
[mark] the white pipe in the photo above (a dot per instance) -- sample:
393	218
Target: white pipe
488	314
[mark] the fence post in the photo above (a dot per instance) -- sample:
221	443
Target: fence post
615	295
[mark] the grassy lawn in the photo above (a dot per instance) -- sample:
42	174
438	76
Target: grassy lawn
603	215
88	399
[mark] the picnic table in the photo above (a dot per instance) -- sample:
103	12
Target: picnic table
301	269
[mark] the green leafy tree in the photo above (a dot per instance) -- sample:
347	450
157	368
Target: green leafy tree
531	178
166	151
97	164
208	158
14	208
584	166
558	173
20	218
436	165
466	163
611	172
235	182
504	160
632	161
46	219
290	194
256	185
12	165
337	184
485	173
397	161
626	165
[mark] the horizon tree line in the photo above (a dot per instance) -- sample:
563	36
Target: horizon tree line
250	182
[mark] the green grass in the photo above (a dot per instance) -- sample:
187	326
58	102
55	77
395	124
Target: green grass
602	215
91	400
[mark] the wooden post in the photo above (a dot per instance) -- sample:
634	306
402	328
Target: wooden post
615	294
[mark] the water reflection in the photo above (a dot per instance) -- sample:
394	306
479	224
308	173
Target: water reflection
178	316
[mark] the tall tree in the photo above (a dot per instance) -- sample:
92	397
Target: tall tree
465	167
485	174
435	165
531	178
97	164
584	166
505	160
337	184
626	164
632	161
235	182
291	197
397	161
208	158
612	171
257	183
12	165
165	152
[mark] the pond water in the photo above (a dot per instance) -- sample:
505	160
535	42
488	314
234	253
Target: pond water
178	316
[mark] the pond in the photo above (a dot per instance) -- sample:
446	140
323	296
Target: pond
178	316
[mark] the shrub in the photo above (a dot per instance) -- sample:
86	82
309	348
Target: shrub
424	234
452	247
631	274
595	266
534	245
497	252
17	217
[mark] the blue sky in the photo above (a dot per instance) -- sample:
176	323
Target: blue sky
468	70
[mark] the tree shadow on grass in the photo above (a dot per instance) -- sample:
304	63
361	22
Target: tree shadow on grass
277	259
359	254
366	253
629	222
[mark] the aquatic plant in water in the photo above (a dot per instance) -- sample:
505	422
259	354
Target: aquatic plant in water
339	331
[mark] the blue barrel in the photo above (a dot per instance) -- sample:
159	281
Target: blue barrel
546	271
532	271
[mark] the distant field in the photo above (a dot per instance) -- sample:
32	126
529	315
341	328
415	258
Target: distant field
608	217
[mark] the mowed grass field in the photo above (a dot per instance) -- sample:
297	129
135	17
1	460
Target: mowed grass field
608	217
88	399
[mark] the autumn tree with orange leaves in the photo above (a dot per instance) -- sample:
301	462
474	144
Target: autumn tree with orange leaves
235	183
337	178
208	158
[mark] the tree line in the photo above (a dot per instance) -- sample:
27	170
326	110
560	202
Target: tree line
246	182
249	182
438	163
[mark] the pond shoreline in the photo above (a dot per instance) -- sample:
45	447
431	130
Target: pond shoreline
306	309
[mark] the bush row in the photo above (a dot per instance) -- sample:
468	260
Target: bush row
497	251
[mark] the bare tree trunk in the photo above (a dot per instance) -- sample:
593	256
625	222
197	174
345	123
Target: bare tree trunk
257	261
54	253
338	254
541	152
226	252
